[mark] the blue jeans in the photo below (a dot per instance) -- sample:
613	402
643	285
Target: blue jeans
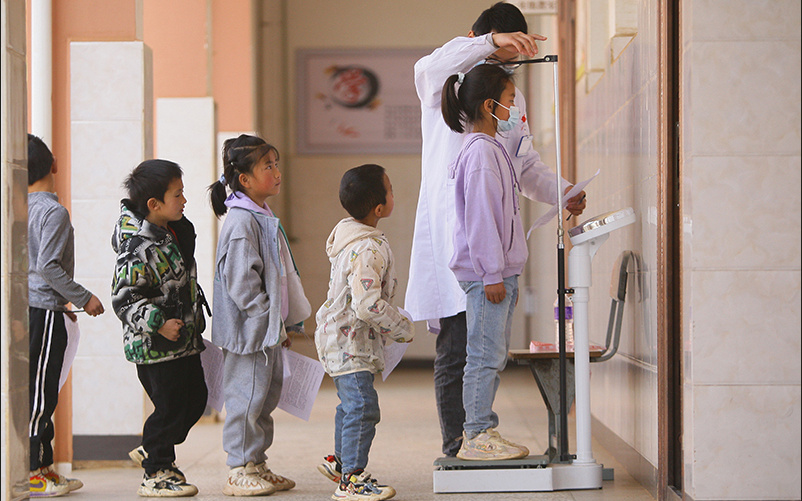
356	419
489	328
449	368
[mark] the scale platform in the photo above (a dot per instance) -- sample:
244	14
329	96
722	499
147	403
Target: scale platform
530	474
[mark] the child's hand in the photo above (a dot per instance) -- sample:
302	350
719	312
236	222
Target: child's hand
287	342
172	329
495	293
94	307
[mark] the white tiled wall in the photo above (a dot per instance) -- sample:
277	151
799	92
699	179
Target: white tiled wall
740	126
185	134
110	130
741	155
616	133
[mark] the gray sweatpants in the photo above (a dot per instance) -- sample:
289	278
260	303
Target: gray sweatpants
252	386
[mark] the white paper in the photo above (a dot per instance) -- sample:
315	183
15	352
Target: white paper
212	362
545	218
73	337
393	353
301	386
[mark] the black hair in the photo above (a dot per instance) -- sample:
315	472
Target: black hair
362	189
40	159
150	179
501	17
240	155
483	82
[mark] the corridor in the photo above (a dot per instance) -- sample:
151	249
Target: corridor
407	441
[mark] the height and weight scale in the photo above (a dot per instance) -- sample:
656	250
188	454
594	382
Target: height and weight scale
557	469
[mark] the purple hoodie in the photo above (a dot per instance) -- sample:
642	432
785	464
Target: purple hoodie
489	239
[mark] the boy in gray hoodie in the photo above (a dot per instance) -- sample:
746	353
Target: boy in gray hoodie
353	325
51	264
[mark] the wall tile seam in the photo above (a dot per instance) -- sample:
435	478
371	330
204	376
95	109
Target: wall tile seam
745	269
134	120
751	153
608	123
762	39
790	384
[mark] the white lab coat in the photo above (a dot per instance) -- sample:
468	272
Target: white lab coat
433	291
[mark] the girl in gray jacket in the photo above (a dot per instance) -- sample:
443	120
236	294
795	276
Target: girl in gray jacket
257	299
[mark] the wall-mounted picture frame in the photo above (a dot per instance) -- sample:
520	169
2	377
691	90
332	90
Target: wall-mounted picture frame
354	101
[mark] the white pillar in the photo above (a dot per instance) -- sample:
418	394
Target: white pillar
42	69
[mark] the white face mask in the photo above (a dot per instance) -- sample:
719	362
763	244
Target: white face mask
507	125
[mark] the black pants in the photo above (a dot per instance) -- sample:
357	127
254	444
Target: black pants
48	341
449	370
178	392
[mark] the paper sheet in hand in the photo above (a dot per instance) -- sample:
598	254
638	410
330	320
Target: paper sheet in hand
302	378
73	337
545	218
212	362
393	353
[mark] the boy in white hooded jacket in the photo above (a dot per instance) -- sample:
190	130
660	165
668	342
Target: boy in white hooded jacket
353	324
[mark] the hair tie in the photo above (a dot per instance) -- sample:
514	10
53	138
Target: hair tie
460	77
222	179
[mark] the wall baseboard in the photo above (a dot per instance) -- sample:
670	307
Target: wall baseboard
635	464
103	447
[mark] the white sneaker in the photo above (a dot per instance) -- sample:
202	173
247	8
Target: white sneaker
165	484
247	481
73	483
360	486
137	455
488	446
493	433
331	468
39	486
279	482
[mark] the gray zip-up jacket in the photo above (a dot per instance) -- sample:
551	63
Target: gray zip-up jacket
51	255
248	284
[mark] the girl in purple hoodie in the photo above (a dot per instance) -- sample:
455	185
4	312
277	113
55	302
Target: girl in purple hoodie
489	245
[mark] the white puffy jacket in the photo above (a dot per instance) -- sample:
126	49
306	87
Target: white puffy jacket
357	317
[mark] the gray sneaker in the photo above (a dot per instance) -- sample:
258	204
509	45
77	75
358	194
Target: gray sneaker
488	446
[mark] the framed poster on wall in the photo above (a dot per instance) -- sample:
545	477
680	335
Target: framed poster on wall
353	101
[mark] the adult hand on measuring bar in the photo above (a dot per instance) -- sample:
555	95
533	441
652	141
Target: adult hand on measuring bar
519	42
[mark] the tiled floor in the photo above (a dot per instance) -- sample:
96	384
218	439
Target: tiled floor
407	441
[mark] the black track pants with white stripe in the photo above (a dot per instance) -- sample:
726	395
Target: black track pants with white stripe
48	337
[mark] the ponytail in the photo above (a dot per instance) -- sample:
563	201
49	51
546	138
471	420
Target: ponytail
463	105
450	105
240	154
217	196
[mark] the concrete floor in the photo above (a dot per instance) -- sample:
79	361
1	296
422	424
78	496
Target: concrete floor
406	444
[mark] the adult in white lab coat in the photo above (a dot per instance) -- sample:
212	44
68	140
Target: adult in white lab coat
433	294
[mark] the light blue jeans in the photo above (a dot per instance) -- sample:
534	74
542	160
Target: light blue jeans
489	328
356	419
